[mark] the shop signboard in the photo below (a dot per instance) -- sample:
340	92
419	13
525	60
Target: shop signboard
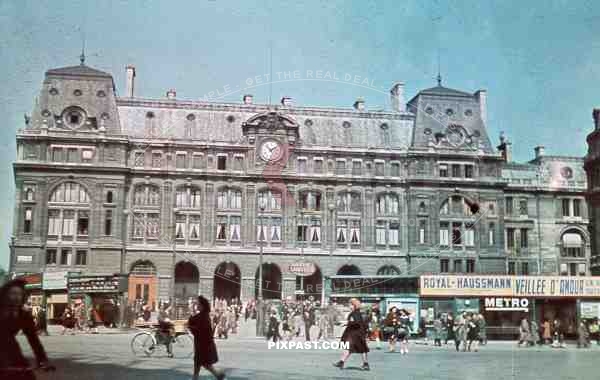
302	268
32	281
55	280
590	310
96	284
506	304
509	286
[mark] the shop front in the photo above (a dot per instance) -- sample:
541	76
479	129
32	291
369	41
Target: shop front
102	293
54	285
505	300
33	287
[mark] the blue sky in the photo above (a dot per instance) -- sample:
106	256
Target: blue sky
537	60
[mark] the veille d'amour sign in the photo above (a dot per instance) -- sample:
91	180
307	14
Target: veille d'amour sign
509	286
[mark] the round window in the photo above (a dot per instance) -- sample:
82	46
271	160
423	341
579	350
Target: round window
77	93
53	91
566	172
74	117
429	110
449	112
101	94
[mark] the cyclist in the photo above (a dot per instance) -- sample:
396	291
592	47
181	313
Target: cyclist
166	329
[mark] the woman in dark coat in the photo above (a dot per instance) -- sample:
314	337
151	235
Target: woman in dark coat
205	350
13	318
355	335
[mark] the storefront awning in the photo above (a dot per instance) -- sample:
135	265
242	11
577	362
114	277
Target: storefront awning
572	240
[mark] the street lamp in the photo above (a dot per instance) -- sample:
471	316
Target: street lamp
260	312
331	207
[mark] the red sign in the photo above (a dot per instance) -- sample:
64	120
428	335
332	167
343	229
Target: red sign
32	280
302	268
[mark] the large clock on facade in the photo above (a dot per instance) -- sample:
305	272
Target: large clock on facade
271	150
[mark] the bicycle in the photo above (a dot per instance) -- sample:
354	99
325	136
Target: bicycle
146	343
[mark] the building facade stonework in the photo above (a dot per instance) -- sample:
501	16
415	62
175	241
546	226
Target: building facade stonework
180	194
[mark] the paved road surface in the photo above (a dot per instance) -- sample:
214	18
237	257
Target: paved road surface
91	357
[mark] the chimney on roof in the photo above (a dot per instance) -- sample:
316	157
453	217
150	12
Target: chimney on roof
171	94
596	115
359	104
247	99
539	151
397	97
286	101
130	69
481	97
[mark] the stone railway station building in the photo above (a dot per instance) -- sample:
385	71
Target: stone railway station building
108	184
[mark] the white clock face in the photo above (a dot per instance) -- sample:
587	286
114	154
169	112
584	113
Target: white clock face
271	151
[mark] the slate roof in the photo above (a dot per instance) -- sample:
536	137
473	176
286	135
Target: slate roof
444	91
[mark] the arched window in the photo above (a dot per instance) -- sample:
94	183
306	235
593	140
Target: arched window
188	197
387	225
68	212
349	270
348	202
268	226
572	244
270	200
146	219
143	268
310	201
229	220
388	270
109	196
454	232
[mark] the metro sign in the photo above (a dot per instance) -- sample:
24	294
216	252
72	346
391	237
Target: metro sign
507	304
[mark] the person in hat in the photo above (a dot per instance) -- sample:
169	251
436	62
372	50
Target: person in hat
13	319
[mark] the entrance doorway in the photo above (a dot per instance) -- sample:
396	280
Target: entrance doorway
272	282
187	280
227	282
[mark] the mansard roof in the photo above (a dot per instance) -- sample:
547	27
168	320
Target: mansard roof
444	91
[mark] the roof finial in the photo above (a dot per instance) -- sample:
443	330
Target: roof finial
439	80
82	55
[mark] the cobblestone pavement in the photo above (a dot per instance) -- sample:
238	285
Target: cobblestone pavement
108	356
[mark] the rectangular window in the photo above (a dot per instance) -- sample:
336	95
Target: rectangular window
443	170
523	207
180	227
197	161
108	223
68	223
422	232
138	226
221	228
511	268
524	238
444	234
65	256
510	238
194	227
379	169
302	232
565	207
340	167
577	207
525	269
28	220
238	163
275	235
581	269
509	205
83	220
356	168
234	228
444	266
455	170
458	267
318	166
138	160
301	166
72	155
394	233
156	160
470	266
491	234
81	257
380	233
395	169
342	231
457	238
51	257
57	154
222	163
180	159
564	270
572	269
469	235
468	171
315	231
